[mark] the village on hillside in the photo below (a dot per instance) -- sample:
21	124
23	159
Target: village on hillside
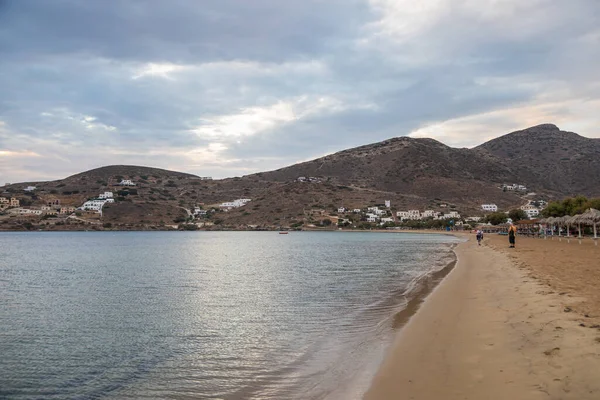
21	210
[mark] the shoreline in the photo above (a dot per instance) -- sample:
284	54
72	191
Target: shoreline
490	330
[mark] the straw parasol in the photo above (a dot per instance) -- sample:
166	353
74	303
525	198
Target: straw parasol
590	217
573	220
549	222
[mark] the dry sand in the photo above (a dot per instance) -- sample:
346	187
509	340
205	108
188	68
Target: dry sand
491	330
566	266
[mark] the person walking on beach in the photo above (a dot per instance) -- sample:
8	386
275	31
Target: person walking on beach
512	233
479	236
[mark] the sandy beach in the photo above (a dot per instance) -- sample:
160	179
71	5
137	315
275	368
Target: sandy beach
504	324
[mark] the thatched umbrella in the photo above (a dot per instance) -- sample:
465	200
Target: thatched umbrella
550	221
574	220
591	217
560	222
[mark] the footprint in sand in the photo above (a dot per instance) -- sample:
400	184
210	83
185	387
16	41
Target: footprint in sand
552	352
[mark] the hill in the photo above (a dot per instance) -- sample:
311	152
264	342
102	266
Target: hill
548	158
412	173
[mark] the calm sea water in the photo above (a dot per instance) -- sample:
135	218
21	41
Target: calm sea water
202	315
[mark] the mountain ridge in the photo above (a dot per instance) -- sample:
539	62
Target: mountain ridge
411	172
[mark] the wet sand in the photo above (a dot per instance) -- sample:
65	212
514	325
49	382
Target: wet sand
494	329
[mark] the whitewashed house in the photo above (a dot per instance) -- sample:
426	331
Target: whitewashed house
27	211
403	215
388	203
94	205
377	211
106	195
533	213
199	212
489	207
357	211
531	210
30	188
341	210
386	220
235	203
372	218
301	179
429	214
414	214
126	182
452	215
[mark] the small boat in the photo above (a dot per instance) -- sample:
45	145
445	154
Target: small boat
283	233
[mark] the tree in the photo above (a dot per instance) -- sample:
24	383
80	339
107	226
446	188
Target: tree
496	218
517	215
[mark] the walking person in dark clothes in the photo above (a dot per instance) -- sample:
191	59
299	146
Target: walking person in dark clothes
512	233
479	236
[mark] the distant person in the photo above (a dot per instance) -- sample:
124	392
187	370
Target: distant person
479	237
512	233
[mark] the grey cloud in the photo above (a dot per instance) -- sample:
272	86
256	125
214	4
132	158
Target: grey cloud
80	57
178	30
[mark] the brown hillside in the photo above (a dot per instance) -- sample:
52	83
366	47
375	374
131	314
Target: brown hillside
547	158
412	173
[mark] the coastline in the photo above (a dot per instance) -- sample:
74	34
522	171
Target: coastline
490	330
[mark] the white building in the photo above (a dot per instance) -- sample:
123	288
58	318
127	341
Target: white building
94	205
106	195
414	214
235	203
452	215
474	219
357	211
342	210
377	211
199	212
25	211
388	203
403	215
532	212
126	182
429	214
489	207
515	186
30	188
528	207
386	220
372	218
301	179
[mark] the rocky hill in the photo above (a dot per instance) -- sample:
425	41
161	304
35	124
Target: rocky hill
412	173
547	158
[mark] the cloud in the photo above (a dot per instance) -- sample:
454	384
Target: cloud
231	87
164	70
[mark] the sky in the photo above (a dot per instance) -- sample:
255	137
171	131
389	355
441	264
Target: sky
231	87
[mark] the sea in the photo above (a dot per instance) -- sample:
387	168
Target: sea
206	315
